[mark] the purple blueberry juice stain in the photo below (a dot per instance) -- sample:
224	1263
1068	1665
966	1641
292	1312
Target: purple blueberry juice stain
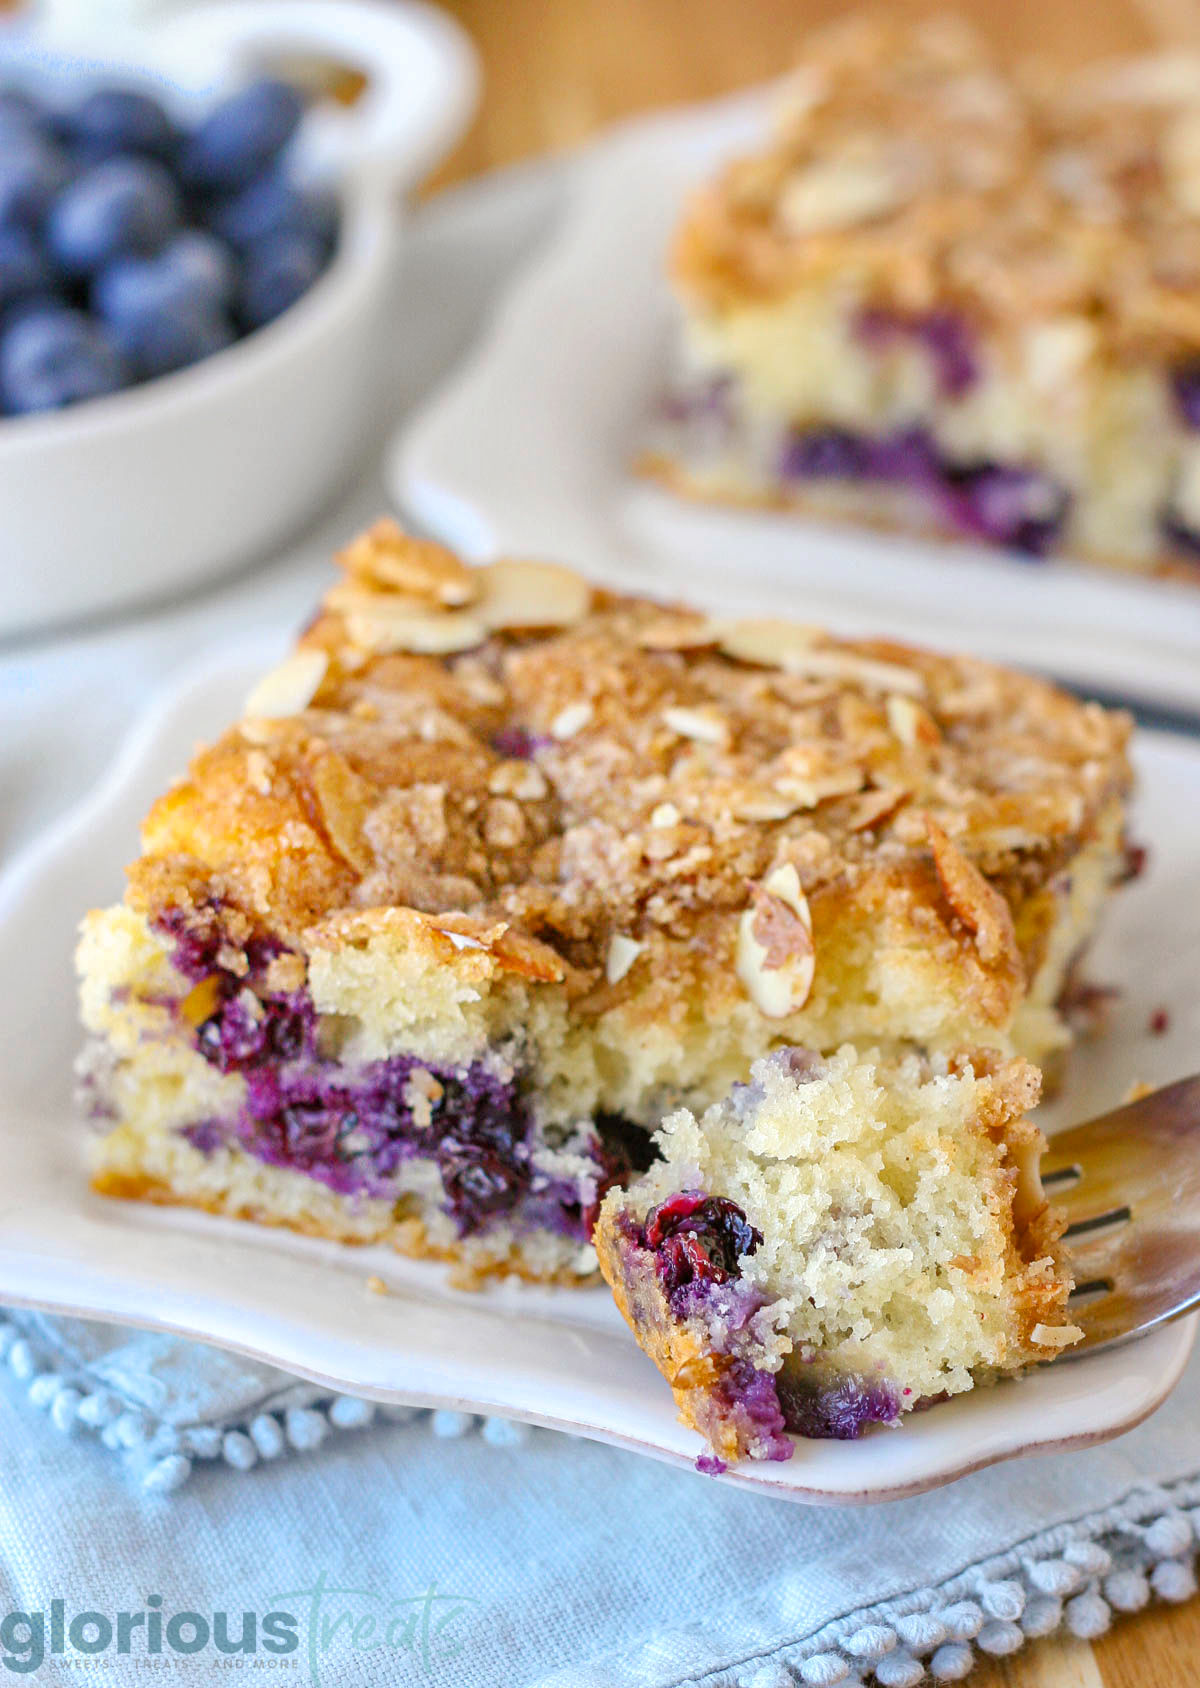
751	1398
945	335
352	1131
1008	505
1185	389
708	401
518	743
1020	508
1180	536
839	1411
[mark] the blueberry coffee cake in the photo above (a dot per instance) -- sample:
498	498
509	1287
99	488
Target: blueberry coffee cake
838	1241
497	869
950	297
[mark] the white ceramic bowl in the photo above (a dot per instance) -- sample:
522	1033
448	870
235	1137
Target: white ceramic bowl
123	499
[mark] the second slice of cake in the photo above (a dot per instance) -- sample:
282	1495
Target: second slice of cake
499	868
949	295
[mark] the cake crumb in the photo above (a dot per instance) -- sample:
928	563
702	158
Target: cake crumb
376	1285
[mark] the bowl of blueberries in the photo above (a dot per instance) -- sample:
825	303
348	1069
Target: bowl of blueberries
197	261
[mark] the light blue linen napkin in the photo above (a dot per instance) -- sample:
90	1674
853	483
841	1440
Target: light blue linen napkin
486	1553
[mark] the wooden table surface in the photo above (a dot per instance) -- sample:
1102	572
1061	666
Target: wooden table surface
557	70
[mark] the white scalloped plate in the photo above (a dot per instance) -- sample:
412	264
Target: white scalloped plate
555	1357
528	448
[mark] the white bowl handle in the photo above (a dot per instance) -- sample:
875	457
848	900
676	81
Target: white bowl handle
422	74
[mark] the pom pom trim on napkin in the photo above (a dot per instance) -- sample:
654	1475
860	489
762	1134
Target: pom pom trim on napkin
160	1456
1073	1576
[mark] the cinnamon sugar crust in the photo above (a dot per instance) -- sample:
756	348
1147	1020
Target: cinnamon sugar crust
911	164
535	795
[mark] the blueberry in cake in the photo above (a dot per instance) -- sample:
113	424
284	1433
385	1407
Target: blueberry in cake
949	297
838	1241
497	869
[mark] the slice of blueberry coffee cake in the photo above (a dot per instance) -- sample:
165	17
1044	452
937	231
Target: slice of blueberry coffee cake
497	869
947	296
837	1242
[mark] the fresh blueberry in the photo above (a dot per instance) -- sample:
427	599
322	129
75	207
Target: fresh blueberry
119	120
206	262
277	273
165	340
163	312
241	136
120	206
24	267
20	116
193	272
54	358
32	171
273	205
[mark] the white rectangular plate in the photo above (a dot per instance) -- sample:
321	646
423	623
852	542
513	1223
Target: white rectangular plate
528	450
555	1357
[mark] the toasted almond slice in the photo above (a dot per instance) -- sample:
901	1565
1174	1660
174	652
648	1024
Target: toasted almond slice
776	958
517	779
387	556
678	633
702	723
868	672
1055	1336
976	902
769	644
874	806
571	720
836	193
288	688
517	593
622	953
422	633
910	723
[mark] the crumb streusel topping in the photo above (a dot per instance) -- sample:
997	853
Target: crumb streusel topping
589	785
909	163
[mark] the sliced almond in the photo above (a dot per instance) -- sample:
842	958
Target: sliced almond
865	671
702	723
516	593
571	720
345	800
516	953
517	779
837	193
769	644
978	904
421	633
288	688
912	724
387	556
1055	1336
678	633
872	807
776	958
622	953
